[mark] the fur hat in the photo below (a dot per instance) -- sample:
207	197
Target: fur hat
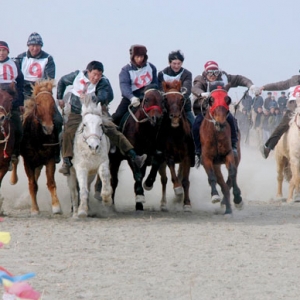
138	50
35	39
211	65
4	45
176	55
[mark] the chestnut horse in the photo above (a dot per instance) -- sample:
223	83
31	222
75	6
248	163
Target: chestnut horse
141	130
7	137
215	137
39	141
176	142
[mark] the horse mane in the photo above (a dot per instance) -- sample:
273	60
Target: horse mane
175	84
10	88
42	86
293	115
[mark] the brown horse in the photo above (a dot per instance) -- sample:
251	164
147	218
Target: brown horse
175	140
215	136
7	137
141	130
39	141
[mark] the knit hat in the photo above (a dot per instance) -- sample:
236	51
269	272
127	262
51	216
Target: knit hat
4	45
211	65
35	39
294	93
138	50
176	55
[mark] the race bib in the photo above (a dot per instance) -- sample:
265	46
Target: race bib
82	85
8	71
140	78
169	78
33	69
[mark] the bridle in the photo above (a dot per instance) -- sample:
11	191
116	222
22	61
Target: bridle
145	110
85	138
179	93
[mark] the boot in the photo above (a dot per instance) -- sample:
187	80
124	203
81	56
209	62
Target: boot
137	160
234	149
57	154
65	169
265	151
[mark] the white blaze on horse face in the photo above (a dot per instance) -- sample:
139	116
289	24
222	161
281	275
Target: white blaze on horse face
92	132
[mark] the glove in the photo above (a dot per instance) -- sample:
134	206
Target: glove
254	90
205	95
135	101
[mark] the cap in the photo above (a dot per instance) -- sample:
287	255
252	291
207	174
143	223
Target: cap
211	65
4	45
35	39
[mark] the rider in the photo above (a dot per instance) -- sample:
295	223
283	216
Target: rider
36	65
10	72
201	88
91	81
284	124
134	77
175	71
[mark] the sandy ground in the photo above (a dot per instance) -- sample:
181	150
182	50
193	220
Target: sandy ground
156	255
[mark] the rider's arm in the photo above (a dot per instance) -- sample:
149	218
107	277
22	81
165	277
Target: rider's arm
64	82
186	80
49	72
282	85
199	86
125	82
239	80
104	92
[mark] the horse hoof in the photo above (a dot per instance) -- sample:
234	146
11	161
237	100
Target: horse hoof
227	216
34	213
164	208
240	205
297	198
146	187
107	200
289	200
140	198
56	210
178	190
97	196
139	206
215	199
187	208
82	214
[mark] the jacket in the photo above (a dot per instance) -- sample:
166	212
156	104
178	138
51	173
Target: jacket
200	84
103	92
283	85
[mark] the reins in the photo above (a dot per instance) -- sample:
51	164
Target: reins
6	135
145	110
181	94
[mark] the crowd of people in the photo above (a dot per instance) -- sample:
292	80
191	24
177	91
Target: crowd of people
269	116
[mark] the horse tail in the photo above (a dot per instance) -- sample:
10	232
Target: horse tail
287	173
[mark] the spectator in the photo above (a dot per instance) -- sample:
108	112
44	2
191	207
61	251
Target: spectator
282	101
268	100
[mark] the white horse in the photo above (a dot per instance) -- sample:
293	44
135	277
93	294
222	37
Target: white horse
91	148
287	154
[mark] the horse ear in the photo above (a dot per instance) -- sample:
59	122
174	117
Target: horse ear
99	108
228	100
164	86
210	100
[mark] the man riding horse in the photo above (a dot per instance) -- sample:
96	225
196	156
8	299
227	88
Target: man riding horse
201	89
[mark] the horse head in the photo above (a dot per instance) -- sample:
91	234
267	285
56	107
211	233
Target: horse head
152	105
219	108
91	126
7	94
44	105
174	101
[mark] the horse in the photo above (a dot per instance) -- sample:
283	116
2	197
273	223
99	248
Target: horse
176	142
7	137
39	141
140	129
91	148
215	138
287	155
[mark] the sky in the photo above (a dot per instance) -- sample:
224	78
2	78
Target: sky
257	39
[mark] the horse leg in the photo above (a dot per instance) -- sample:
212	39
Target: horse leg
237	198
114	166
156	163
50	171
163	180
82	177
98	188
14	176
184	173
295	165
1	198
280	167
225	190
212	180
33	188
106	191
72	184
177	186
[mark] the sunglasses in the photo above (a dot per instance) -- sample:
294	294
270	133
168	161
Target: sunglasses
213	72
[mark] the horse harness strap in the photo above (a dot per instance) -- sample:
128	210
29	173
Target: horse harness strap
44	92
176	92
5	140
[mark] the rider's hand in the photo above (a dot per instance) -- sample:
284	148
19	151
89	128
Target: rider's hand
135	101
205	95
61	103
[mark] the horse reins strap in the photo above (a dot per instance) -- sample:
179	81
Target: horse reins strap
44	92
